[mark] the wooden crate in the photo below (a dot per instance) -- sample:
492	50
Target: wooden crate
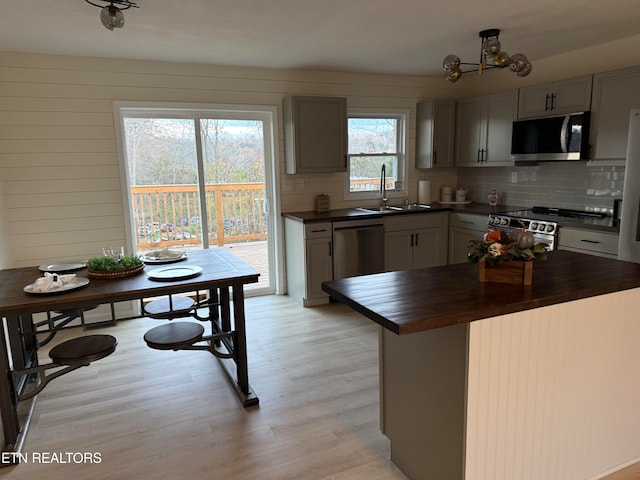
515	272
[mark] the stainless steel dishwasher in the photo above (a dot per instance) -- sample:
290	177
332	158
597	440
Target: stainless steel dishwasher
358	247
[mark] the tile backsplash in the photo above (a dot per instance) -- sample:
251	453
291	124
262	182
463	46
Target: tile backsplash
558	184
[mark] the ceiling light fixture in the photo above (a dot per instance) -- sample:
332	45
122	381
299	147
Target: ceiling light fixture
490	49
111	16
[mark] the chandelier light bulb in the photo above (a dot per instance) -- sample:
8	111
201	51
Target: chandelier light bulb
453	75
491	47
517	62
112	17
501	60
451	62
526	70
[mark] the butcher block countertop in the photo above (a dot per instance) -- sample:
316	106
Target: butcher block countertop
413	301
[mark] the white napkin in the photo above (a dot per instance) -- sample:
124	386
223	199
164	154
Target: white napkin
164	253
51	281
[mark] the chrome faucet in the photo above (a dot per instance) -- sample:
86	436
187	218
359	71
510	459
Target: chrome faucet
383	186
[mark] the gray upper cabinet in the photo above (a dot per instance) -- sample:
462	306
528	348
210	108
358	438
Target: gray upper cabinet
484	126
614	94
315	134
435	129
567	96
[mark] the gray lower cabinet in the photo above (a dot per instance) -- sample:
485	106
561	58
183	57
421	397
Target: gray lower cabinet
415	241
315	134
464	227
591	242
309	261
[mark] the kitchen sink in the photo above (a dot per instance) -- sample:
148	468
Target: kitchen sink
394	208
381	209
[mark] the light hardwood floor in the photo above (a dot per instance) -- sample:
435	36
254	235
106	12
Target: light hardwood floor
161	414
155	415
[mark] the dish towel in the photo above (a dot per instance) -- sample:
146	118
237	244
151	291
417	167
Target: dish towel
52	281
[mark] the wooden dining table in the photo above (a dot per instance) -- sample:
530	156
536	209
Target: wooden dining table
222	277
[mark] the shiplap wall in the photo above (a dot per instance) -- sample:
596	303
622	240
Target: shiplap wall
58	154
59	169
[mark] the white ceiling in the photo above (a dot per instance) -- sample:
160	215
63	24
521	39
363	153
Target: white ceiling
377	36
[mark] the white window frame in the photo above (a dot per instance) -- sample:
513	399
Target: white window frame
402	115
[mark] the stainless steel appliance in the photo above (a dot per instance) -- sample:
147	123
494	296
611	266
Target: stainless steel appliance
629	240
563	137
543	222
544	229
358	248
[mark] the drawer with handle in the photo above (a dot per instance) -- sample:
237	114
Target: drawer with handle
317	230
590	240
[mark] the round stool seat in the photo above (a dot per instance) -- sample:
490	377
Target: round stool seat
162	308
83	350
174	335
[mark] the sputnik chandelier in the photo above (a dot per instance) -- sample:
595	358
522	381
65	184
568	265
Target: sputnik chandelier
111	16
490	49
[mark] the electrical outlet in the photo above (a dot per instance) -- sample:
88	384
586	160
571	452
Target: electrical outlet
514	177
287	185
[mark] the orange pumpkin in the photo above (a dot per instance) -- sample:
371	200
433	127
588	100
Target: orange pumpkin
493	236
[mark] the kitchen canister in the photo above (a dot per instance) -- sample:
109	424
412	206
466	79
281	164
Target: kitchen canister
461	195
424	192
446	194
323	203
493	198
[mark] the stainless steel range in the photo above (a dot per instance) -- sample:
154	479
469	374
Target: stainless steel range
541	221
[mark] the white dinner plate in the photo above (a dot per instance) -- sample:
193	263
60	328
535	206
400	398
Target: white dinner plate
62	267
73	284
175	272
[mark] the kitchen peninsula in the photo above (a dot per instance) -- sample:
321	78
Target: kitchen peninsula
498	381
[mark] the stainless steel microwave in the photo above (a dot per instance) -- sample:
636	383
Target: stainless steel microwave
560	138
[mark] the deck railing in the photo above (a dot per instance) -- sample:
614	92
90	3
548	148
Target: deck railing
167	215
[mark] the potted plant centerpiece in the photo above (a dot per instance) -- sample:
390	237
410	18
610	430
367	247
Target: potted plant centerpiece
114	266
506	258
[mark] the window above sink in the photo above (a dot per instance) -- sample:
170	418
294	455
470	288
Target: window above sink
376	137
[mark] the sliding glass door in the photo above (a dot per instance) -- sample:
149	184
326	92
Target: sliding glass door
200	179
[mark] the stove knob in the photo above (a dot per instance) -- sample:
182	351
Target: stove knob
491	220
504	221
533	226
550	228
542	227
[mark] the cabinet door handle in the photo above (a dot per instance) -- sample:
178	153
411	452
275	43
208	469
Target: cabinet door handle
546	103
416	244
590	241
331	249
435	157
478	156
553	101
411	241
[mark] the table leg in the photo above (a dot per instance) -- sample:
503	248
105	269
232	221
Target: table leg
238	376
8	407
22	347
241	345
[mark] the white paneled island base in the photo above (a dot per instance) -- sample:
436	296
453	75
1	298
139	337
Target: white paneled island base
546	393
